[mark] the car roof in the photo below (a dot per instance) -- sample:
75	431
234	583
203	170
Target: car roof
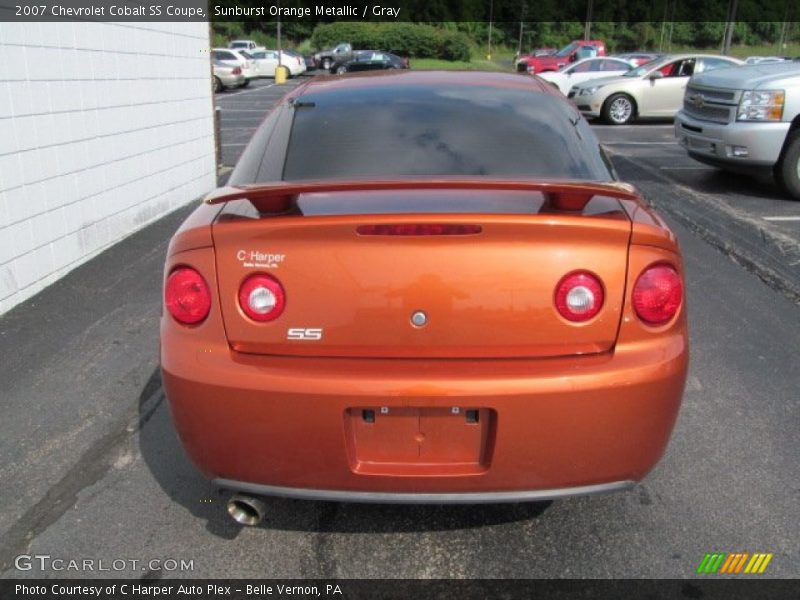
669	57
329	83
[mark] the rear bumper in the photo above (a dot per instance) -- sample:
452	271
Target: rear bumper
714	143
232	80
420	498
559	427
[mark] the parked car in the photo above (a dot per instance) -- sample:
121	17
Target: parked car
267	60
585	70
246	45
535	52
423	287
236	58
311	63
746	120
226	76
297	59
572	52
339	54
652	90
637	59
371	60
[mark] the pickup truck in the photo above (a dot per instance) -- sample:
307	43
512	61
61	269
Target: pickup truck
745	119
327	58
569	53
247	45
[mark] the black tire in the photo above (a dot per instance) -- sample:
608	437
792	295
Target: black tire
787	171
341	70
619	109
218	87
246	83
326	63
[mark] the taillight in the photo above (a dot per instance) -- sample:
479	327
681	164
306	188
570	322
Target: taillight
419	229
262	297
658	294
186	296
236	71
579	296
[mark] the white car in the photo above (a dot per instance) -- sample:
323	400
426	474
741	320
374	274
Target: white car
236	58
585	70
267	60
653	90
760	60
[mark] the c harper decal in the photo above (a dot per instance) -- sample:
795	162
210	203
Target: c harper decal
260	260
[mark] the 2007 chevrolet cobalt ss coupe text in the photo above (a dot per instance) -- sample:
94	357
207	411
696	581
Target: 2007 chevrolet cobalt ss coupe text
423	287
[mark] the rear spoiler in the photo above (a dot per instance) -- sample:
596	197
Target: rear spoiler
277	197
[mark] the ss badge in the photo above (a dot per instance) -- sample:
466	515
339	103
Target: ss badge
301	333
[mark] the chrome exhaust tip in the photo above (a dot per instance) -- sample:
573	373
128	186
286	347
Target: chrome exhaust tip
246	510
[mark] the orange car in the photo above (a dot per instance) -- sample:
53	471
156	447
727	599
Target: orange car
423	287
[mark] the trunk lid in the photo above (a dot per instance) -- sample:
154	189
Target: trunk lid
486	295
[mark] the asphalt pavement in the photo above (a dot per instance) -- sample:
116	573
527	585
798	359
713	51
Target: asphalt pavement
93	469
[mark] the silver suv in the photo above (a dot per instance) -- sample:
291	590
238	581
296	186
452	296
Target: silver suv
745	119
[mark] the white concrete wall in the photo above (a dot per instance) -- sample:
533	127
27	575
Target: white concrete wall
104	127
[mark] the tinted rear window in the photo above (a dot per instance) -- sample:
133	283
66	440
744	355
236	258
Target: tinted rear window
395	131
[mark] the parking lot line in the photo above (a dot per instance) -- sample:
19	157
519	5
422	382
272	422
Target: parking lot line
640	143
781	218
250	91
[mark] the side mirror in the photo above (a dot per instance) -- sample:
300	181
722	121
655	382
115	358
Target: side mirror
573	57
655	75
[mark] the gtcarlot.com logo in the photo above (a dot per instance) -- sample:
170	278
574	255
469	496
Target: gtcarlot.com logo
45	562
723	563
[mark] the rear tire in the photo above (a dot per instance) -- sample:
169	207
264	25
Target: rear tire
787	171
341	70
246	83
218	87
326	64
619	109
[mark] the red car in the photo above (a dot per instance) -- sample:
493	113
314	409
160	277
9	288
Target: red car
423	287
573	51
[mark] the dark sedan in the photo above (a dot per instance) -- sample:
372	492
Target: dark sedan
370	60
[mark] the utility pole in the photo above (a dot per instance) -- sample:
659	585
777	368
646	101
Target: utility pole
587	31
522	11
784	30
729	27
671	25
279	34
491	14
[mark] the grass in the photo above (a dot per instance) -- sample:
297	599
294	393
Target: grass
502	60
427	64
